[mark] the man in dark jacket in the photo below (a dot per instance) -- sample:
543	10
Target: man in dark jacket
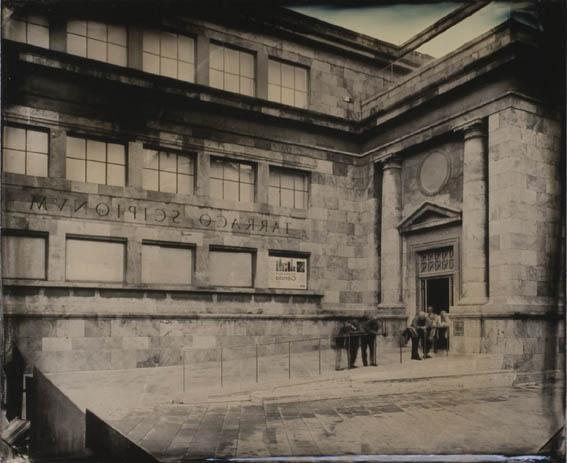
370	327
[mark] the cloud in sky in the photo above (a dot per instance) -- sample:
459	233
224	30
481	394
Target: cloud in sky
397	23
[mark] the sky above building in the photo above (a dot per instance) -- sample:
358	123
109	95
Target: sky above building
395	23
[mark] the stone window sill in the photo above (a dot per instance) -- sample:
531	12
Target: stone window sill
38	287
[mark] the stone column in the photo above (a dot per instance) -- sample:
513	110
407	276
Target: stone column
135	47
202	60
391	252
202	175
263	183
475	215
262	61
135	164
57	153
58	35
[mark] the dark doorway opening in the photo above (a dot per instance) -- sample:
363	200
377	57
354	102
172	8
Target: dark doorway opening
437	293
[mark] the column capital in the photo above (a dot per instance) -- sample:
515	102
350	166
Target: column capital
472	129
391	162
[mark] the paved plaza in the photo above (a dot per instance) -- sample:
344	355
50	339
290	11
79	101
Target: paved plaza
509	420
451	404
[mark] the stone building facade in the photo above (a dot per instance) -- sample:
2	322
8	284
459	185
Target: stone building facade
178	179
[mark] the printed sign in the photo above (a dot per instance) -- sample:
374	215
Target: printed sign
288	272
459	328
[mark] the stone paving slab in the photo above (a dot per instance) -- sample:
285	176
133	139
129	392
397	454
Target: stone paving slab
347	412
510	420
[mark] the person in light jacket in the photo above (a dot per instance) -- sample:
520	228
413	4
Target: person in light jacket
443	328
340	342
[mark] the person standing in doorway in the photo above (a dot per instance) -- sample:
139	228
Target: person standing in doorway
442	329
431	335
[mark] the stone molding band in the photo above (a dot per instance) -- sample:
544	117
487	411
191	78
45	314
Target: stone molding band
474	129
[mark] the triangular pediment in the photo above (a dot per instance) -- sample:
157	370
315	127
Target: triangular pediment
429	215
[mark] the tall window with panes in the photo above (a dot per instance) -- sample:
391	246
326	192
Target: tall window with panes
232	180
168	171
99	41
287	83
169	55
288	188
33	30
25	151
232	70
95	161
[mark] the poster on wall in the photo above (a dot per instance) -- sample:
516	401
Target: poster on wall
288	272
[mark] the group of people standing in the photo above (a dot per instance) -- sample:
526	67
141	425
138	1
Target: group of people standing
352	335
428	330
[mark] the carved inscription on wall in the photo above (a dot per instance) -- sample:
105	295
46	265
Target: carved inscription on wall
149	212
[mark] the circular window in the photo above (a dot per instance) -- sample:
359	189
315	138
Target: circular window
434	172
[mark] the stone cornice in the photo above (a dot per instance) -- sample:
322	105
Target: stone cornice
473	129
39	59
273	19
259	108
391	162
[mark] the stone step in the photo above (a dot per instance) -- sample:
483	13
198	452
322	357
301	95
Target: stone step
498	378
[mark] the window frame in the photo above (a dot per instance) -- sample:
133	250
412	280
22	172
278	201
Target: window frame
280	86
106	141
159	56
25	18
225	161
45	130
176	245
254	78
193	156
30	234
98	238
238	250
106	42
306	180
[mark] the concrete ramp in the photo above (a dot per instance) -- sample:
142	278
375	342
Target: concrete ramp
449	404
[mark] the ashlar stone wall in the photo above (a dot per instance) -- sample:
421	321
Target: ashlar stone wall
525	188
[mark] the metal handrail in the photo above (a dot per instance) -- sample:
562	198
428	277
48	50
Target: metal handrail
289	343
243	346
316	343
